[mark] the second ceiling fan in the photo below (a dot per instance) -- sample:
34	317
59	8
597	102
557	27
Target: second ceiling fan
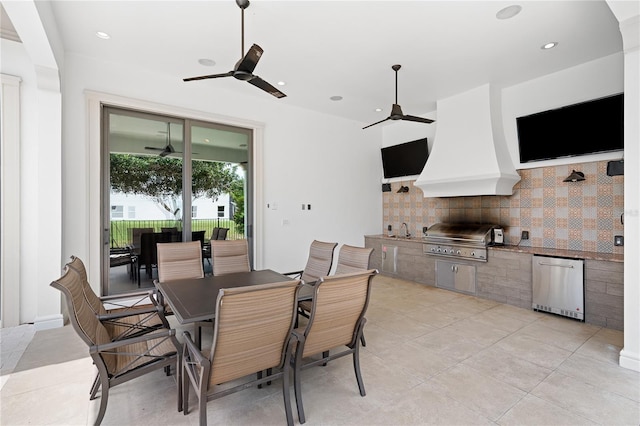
243	69
396	110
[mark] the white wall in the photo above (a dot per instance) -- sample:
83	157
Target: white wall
310	158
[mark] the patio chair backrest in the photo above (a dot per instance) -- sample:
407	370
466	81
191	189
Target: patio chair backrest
229	256
339	305
248	341
81	314
179	261
92	298
353	259
319	262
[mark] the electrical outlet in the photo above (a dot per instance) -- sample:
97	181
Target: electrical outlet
618	240
525	235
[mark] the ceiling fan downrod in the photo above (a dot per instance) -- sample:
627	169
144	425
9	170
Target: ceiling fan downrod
242	4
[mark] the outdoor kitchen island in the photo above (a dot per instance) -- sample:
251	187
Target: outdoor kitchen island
506	276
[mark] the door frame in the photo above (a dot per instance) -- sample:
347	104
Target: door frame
95	234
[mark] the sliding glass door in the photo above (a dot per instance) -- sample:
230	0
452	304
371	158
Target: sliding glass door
167	179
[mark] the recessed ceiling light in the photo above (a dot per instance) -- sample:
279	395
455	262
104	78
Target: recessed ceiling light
281	83
206	62
509	11
378	109
103	35
207	140
549	45
336	98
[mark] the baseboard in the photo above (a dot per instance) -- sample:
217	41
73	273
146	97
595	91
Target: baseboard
50	321
629	360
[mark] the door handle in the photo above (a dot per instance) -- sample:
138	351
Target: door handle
552	264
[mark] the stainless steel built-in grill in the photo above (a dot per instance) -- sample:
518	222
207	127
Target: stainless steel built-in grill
462	240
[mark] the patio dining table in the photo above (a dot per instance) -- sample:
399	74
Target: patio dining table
194	300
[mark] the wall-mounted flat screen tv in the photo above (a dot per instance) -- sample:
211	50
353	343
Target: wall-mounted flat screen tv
586	128
405	159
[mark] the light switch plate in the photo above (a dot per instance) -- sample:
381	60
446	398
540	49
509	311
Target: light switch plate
618	240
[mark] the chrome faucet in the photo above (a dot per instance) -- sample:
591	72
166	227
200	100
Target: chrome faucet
406	230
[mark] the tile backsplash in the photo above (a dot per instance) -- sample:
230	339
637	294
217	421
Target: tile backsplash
563	215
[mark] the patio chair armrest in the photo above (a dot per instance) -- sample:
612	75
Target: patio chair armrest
191	351
132	295
123	313
298	334
159	334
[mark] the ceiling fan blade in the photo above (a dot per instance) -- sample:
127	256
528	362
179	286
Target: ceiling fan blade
381	121
204	77
250	60
416	119
153	148
260	83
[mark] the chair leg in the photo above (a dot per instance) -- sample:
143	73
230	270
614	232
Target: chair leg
356	367
202	402
297	387
103	404
258	377
364	343
179	380
94	387
185	391
286	393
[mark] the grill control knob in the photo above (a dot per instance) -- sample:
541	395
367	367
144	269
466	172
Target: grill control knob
439	250
458	252
473	253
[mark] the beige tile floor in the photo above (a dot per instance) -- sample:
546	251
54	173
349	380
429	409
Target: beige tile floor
432	357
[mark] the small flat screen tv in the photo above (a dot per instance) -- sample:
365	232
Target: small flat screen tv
586	128
405	159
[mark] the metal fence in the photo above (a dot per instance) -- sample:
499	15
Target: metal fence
121	229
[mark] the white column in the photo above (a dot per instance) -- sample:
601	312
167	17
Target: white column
628	14
40	180
10	201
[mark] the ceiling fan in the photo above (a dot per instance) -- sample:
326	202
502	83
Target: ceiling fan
168	148
243	69
396	110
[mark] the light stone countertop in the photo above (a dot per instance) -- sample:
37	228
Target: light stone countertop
573	254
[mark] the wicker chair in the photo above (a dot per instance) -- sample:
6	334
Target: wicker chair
117	360
230	256
336	320
244	344
128	314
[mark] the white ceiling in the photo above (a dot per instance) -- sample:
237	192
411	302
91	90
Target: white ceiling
346	48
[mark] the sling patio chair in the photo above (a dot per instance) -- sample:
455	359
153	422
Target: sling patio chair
229	256
117	360
243	345
177	261
126	314
353	259
336	322
318	265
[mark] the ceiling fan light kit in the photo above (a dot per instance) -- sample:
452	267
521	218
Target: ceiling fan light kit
243	69
396	110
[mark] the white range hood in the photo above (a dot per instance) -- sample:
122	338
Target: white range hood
469	154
